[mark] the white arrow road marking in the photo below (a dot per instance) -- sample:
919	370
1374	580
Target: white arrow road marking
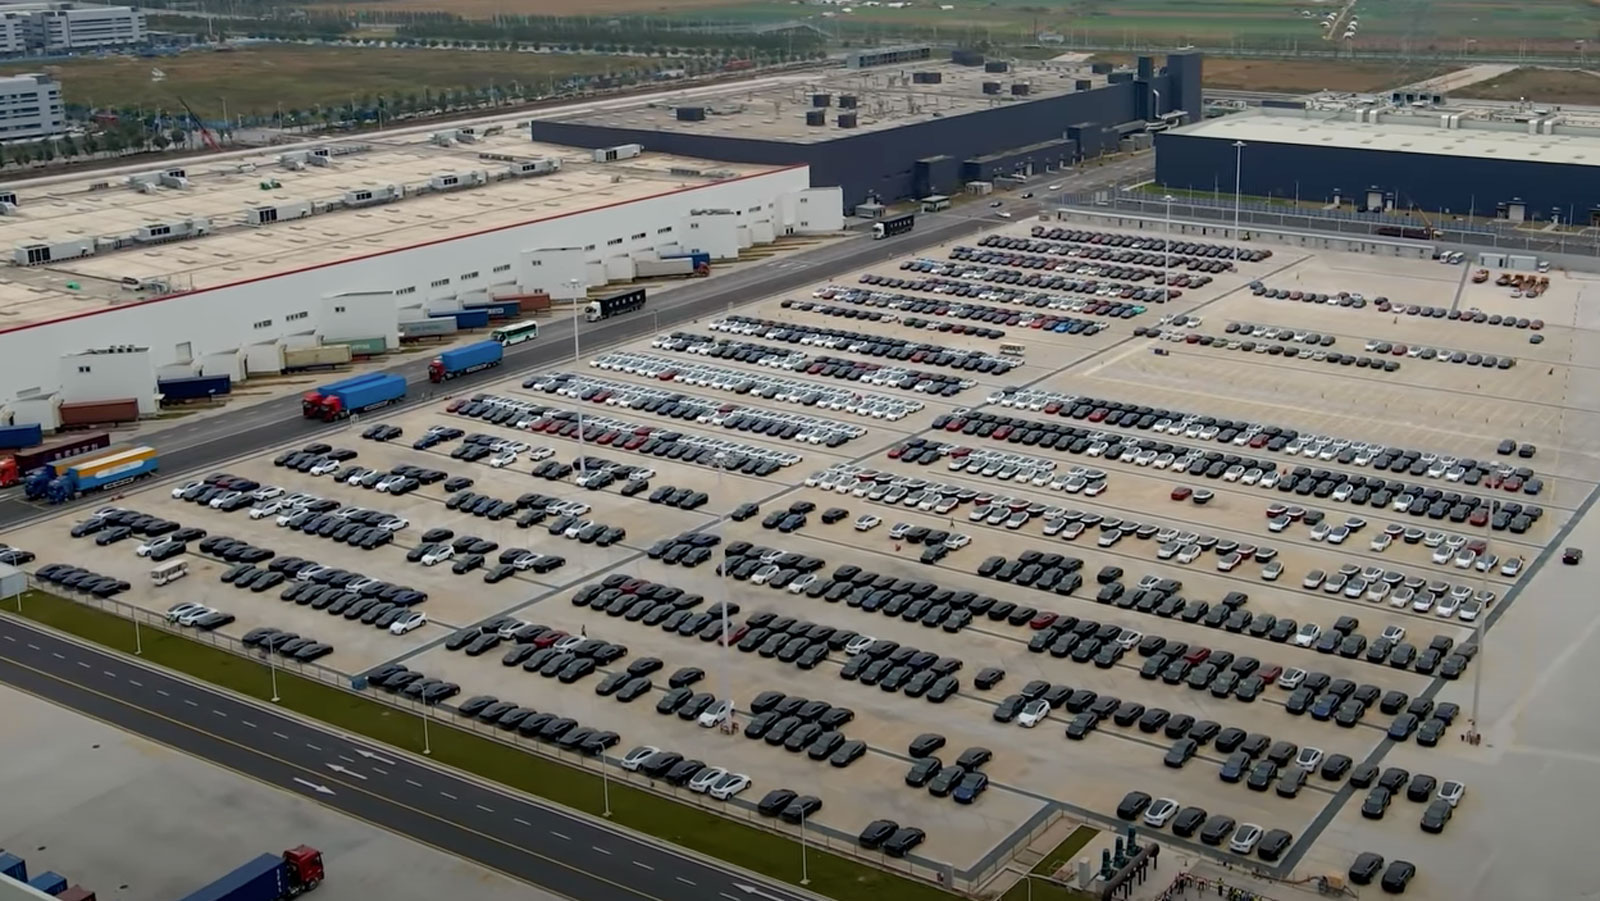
319	789
340	768
752	890
375	758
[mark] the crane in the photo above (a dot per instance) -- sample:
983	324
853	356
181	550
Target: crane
205	133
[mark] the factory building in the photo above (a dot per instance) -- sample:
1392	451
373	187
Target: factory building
885	129
30	107
179	274
62	27
1528	164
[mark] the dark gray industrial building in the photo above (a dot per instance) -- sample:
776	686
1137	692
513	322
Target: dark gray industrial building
908	130
1526	166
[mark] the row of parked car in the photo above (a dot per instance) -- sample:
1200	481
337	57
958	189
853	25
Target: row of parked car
1213	829
943	384
1284	351
286	644
695	775
1150	243
198	616
790	426
988	269
1161	257
1015	263
883	300
397	678
804	392
566	733
688	549
874	345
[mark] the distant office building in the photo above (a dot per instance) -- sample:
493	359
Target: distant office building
61	27
30	107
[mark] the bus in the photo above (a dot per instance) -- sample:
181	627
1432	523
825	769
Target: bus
169	571
515	333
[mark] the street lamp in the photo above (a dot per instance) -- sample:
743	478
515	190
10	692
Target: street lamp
1166	263
805	877
1238	173
576	285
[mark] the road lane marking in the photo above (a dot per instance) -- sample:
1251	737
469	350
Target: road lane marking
565	838
347	759
728	896
220	713
686	881
521	820
281	735
484	809
109	674
7	637
414	782
190	703
450	796
643	866
312	746
248	724
57	656
162	693
82	664
135	683
601	850
33	646
381	772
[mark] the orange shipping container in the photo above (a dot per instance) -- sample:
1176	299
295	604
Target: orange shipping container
102	412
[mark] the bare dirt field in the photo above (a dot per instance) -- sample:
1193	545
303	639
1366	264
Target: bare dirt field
1303	76
1581	86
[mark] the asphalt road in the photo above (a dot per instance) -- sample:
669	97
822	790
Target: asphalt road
564	853
206	442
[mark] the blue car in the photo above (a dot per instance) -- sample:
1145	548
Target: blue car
1326	704
970	787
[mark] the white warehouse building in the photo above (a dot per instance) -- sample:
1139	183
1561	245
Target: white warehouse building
216	271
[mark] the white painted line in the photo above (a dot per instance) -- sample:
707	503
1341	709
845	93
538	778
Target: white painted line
248	724
565	838
381	772
82	664
644	866
136	683
109	674
450	796
521	820
162	693
190	703
601	850
220	713
414	782
281	735
32	645
686	881
347	759
312	746
7	637
484	809
728	896
57	656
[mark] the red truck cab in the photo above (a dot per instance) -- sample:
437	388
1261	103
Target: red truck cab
304	865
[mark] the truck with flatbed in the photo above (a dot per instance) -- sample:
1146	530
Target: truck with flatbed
615	305
459	361
358	394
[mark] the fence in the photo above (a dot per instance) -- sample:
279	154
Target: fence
815	835
1260	214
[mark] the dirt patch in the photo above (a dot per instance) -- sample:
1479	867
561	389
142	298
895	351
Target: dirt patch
1304	76
1545	86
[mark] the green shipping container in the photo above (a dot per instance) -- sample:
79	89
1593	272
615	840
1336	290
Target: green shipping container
363	347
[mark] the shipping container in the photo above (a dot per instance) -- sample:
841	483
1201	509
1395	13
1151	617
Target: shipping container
13	867
323	356
530	301
104	412
57	450
462	360
615	305
16	437
270	877
418	329
195	387
50	883
466	319
363	347
498	309
76	893
355	395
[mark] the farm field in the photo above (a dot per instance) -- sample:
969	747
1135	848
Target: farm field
1575	86
260	79
1302	76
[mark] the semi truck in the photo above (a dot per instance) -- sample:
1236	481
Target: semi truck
270	877
896	225
615	305
68	479
691	265
462	360
353	395
15	467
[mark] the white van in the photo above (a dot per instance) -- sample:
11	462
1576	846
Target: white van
169	571
1013	350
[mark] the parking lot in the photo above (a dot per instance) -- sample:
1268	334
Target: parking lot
1270	552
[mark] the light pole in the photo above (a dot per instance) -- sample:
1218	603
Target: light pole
605	786
1238	174
138	642
273	669
805	877
1166	262
427	745
576	285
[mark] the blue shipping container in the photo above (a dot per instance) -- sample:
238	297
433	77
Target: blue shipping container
13	867
17	437
501	309
699	257
196	387
474	318
258	880
49	882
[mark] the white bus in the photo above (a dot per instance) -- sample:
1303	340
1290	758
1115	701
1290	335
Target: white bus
516	332
169	571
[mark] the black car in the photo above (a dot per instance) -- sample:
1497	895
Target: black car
1398	876
1133	804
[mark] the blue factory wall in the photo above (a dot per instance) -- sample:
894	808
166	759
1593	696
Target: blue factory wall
1431	182
883	163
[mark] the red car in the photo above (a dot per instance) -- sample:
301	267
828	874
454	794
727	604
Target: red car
734	634
549	638
1181	493
1045	618
1270	673
1197	656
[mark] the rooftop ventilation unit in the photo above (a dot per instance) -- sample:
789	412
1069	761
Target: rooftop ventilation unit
545	165
816	117
619	152
691	113
373	196
450	181
991	87
182	229
847	101
821	100
1020	89
996	65
847	120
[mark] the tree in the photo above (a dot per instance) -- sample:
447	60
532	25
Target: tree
159	140
180	136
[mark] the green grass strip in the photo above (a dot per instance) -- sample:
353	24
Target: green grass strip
754	849
1040	888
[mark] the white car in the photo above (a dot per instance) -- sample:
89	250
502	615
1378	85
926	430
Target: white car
325	467
1291	678
267	493
188	618
1447	607
226	497
178	491
1228	562
1451	792
1511	568
632	759
1033	712
760	576
1309	759
262	511
802	583
568	643
409	621
1381	542
1189	553
1245	838
703	780
178	611
728	786
394	524
866	522
1338	534
1469	610
858	644
145	549
438	555
1094	489
1308	635
1442	554
1159	812
502	459
541	453
955	541
1320	531
1271	571
715	715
